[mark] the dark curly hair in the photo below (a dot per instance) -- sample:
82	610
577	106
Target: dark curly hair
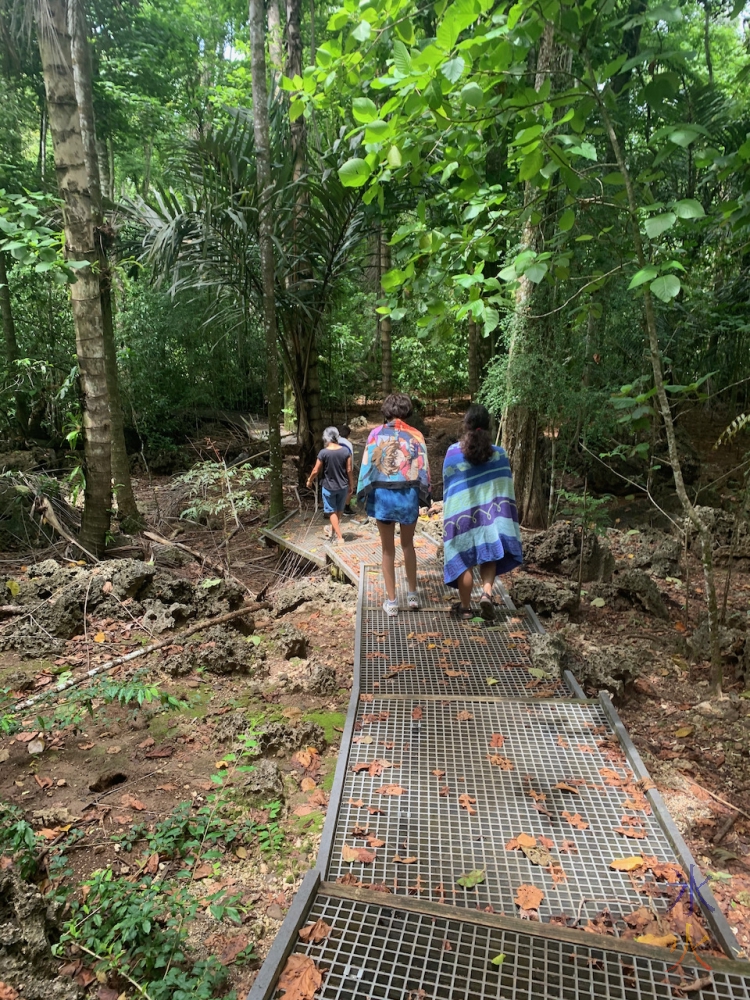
396	406
476	443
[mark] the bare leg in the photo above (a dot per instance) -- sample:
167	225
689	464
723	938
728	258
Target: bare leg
410	556
336	527
465	583
487	571
388	546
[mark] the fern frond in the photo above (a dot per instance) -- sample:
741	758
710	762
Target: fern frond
734	428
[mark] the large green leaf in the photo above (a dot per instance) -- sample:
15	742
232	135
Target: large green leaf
567	220
401	58
364	110
531	165
362	32
659	224
354	173
688	208
472	94
642	276
666	287
453	69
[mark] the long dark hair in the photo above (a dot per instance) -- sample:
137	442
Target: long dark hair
476	444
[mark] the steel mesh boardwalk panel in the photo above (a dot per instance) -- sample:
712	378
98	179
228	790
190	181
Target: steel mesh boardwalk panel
544	743
449	657
377	952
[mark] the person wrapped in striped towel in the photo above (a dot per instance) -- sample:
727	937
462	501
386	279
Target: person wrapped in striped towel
480	521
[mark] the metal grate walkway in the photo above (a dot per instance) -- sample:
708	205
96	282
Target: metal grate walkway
454	748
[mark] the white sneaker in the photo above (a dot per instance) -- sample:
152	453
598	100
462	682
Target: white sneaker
412	601
390	608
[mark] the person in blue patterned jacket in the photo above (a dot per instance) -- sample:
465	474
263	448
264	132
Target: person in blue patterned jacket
480	521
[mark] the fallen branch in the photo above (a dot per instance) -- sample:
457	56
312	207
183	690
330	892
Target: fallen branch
217	567
44	507
12	609
171	640
718	798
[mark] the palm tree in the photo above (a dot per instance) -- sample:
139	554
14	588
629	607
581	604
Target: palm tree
208	238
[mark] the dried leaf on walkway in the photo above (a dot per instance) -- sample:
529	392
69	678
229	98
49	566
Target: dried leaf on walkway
444	792
416	714
611	778
575	820
557	872
363	739
585	748
404	861
390	790
315	932
568	847
301	978
395	671
563	786
496	740
658	940
626	864
466	801
438	773
525	840
502	762
528	897
366	697
361	854
537	855
547	842
454	673
357	803
561	742
374	842
630	831
374	717
471	879
464	716
540	807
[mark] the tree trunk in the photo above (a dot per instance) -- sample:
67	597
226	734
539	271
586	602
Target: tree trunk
147	151
275	56
663	400
384	323
268	266
102	157
43	121
473	360
81	54
12	353
707	39
529	337
312	32
80	245
304	334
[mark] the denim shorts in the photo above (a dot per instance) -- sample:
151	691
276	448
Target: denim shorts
334	501
394	505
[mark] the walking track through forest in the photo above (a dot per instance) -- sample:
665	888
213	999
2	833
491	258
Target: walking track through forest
482	817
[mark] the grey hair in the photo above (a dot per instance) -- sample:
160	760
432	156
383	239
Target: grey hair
331	434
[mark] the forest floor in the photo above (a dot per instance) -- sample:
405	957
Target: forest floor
159	791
